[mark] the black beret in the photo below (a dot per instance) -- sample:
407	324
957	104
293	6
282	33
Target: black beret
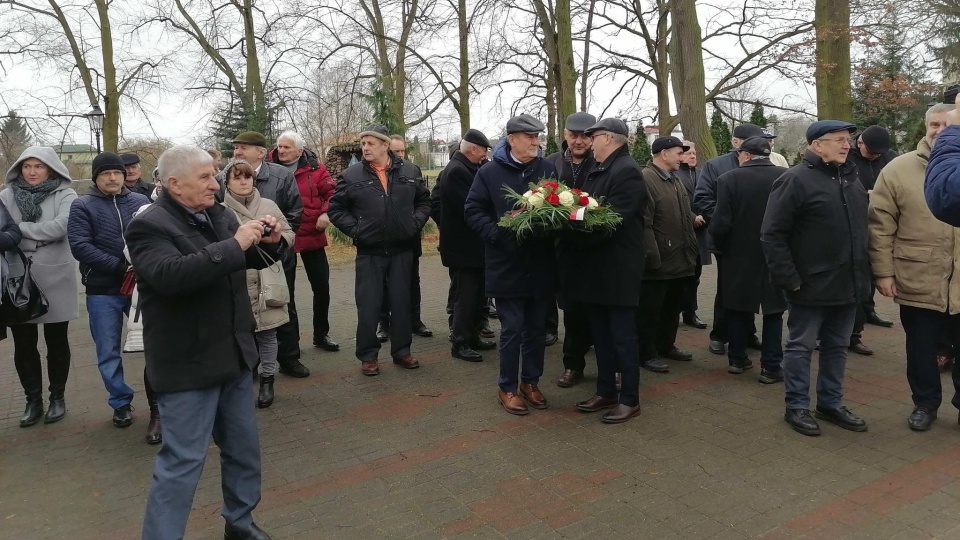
524	124
823	127
666	143
477	137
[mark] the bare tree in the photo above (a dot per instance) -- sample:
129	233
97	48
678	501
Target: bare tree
834	94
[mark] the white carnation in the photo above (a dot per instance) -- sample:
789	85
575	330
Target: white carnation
592	203
567	198
535	200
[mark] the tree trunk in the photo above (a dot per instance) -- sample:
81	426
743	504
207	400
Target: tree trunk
687	70
832	73
551	99
463	90
586	57
111	97
567	76
254	85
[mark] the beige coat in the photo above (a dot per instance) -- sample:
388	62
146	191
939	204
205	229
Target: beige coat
908	243
255	208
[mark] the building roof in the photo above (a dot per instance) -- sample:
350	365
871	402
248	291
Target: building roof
74	149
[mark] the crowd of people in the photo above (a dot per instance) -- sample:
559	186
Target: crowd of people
207	258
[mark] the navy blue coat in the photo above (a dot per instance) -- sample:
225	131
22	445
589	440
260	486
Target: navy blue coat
511	270
942	183
95	232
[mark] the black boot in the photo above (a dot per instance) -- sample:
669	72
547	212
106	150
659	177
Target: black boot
154	434
33	413
58	408
265	398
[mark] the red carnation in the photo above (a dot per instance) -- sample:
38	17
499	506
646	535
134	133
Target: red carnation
551	185
576	192
553	199
584	200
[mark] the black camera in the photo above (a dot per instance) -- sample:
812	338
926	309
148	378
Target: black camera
950	94
267	230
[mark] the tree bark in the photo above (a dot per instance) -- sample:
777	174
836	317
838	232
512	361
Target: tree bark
832	72
687	70
463	89
567	75
111	96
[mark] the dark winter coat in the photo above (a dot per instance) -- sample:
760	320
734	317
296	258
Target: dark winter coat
741	202
192	283
565	168
868	171
688	177
941	185
511	270
381	223
460	247
316	188
670	241
601	268
705	195
814	234
95	232
10	237
141	187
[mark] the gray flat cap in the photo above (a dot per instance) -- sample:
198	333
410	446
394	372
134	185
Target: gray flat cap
580	121
525	124
613	125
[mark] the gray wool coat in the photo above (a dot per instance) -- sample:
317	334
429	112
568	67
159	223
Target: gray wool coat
54	268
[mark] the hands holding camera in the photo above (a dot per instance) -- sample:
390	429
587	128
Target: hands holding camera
266	229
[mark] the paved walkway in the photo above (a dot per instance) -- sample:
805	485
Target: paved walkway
430	453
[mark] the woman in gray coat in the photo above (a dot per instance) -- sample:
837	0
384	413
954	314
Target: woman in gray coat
38	196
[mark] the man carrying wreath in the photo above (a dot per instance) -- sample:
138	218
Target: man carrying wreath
519	276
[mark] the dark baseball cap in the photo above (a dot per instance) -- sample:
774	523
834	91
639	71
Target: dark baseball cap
757	146
666	143
745	131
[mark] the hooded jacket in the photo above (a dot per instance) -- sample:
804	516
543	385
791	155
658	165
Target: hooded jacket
54	268
95	231
316	188
511	269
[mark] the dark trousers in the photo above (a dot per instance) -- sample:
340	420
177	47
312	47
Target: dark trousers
288	334
468	303
26	357
720	325
553	315
658	316
924	328
522	340
771	344
614	330
318	273
374	274
690	291
190	419
451	295
577	337
867	306
414	297
805	324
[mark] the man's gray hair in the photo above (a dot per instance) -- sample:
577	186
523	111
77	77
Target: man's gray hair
293	137
691	144
179	160
618	138
466	145
939	108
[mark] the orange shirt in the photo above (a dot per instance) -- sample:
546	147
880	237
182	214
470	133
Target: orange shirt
381	174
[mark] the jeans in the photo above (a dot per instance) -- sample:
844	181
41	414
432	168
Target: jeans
318	273
106	326
523	340
832	324
924	328
771	353
267	346
26	357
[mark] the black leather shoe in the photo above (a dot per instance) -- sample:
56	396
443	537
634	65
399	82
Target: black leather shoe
464	352
655	365
861	349
551	339
877	320
481	345
422	330
382	333
596	403
327	344
801	422
678	355
251	532
569	378
123	416
771	377
33	413
841	417
690	319
620	414
486	331
717	347
265	395
58	408
154	431
293	368
921	418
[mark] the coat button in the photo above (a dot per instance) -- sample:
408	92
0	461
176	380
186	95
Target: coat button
217	257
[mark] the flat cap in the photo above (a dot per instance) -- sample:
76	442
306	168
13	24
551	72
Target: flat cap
376	130
758	146
745	131
476	137
666	143
823	127
613	125
767	134
877	139
130	159
252	138
580	121
524	124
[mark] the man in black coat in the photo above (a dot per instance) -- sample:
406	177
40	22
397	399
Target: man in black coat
600	272
688	177
381	204
191	257
461	249
573	162
741	202
814	238
132	180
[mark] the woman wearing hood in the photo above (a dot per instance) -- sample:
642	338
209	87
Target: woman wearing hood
243	198
39	198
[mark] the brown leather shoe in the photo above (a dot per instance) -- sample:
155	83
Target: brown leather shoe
570	377
533	395
369	368
513	403
620	414
596	403
859	348
406	362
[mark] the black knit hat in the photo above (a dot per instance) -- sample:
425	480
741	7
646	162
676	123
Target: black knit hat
106	161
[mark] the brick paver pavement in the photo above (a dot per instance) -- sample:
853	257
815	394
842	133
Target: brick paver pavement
430	453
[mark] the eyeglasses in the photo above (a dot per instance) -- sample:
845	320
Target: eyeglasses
597	134
844	141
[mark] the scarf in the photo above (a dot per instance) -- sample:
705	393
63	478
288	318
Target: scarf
29	197
241	204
